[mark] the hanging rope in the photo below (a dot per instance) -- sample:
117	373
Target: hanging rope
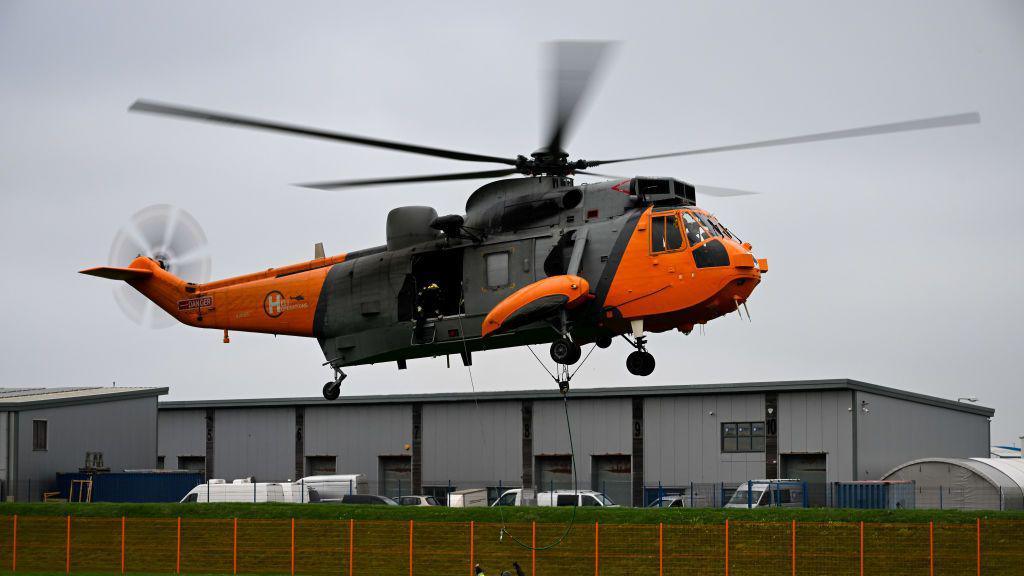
503	531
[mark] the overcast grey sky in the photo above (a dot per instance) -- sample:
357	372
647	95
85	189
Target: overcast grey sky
894	259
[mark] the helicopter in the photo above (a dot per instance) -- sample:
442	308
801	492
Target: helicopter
535	259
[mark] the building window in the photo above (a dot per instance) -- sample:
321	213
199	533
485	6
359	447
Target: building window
321	465
40	441
497	269
742	437
192	464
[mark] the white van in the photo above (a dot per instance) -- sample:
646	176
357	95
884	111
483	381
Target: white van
782	492
514	497
468	498
331	488
241	490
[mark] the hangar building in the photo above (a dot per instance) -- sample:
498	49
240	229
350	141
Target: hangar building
627	439
44	431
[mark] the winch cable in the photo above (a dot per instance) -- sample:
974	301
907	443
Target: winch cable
503	531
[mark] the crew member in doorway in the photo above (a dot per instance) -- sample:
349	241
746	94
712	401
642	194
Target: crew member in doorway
428	305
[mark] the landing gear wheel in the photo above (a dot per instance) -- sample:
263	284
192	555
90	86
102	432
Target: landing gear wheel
565	351
603	341
640	363
332	390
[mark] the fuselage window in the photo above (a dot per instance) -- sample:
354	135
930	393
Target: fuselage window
497	269
665	235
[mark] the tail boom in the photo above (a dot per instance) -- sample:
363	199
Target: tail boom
275	301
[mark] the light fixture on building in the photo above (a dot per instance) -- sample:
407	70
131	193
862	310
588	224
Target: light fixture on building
968	398
864	406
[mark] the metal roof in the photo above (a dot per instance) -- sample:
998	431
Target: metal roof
14	399
624	391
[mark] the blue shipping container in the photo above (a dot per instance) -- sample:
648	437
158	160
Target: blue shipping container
874	495
133	486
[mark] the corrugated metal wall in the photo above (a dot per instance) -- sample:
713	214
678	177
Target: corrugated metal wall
182	433
819	422
258	442
895	431
357	435
599	426
125	431
460	444
682	439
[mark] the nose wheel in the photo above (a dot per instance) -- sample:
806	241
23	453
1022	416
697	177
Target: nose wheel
640	362
333	389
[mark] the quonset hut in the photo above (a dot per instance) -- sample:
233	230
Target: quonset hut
965	483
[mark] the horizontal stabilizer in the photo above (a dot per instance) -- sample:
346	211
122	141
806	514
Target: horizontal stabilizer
113	273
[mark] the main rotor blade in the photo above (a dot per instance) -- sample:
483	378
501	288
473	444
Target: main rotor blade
221	118
575	64
409	179
922	124
721	192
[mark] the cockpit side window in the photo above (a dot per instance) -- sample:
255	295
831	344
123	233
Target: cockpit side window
665	235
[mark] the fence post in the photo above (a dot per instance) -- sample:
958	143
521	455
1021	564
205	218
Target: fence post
293	547
302	490
726	547
806	500
940	497
177	551
14	546
253	492
234	549
750	496
792	548
122	543
978	525
861	548
351	545
448	494
597	547
472	563
691	493
661	548
533	548
67	550
931	548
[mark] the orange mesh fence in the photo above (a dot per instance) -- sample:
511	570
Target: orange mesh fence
46	544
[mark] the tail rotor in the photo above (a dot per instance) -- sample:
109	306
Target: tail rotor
170	236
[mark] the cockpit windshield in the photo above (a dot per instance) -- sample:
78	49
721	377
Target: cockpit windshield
700	227
696	231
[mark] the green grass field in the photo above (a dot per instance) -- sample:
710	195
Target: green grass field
304	539
512	515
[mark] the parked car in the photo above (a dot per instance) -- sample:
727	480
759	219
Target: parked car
244	490
367	499
514	497
331	488
671	501
682	498
785	493
417	501
468	498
